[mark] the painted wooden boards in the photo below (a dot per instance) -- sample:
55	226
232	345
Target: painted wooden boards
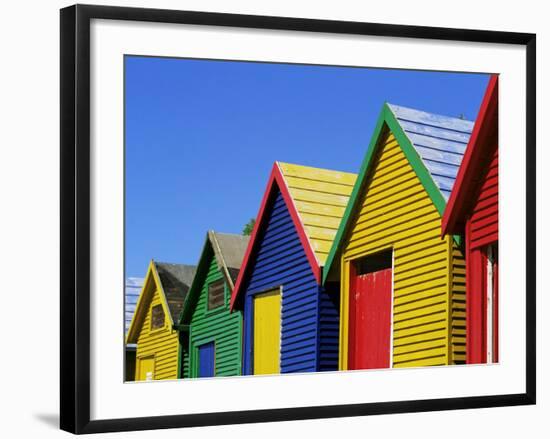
206	360
320	197
473	212
160	343
370	320
484	216
267	333
145	368
297	222
164	291
395	212
216	325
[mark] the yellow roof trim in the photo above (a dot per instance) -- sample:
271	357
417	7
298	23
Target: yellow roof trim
141	309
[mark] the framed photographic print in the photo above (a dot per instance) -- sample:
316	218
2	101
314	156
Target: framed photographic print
285	218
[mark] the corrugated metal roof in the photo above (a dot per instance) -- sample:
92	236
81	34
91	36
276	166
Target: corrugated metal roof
439	140
176	280
320	197
132	289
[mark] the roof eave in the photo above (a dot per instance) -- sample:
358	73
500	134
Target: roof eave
220	258
386	118
276	178
353	199
194	289
248	254
133	332
484	128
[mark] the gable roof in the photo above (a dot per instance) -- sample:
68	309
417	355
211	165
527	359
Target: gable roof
173	282
434	146
228	250
482	143
316	199
440	141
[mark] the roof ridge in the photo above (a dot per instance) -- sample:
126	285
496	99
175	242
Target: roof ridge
173	263
389	120
313	167
217	250
429	112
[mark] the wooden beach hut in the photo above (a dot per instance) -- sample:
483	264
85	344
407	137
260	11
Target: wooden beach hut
211	336
472	211
290	322
152	328
402	300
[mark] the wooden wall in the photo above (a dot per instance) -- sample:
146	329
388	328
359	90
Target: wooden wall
217	325
280	260
162	343
395	212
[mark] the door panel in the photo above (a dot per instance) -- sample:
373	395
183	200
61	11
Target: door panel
145	369
370	309
267	333
207	354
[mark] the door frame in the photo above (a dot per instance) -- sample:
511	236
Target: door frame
138	364
477	290
253	326
195	360
346	306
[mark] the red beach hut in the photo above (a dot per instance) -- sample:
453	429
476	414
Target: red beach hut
472	211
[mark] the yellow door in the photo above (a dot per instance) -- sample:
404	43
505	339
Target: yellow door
145	370
267	333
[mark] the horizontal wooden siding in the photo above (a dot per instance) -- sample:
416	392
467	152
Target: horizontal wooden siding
217	325
484	220
280	260
329	330
396	212
458	306
162	343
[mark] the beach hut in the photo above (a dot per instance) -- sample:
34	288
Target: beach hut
290	322
211	336
152	328
402	300
472	211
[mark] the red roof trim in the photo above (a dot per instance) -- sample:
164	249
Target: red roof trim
306	244
481	145
276	178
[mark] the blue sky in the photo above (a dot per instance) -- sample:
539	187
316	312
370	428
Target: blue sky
202	136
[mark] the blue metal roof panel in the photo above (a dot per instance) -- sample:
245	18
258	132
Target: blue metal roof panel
131	295
439	140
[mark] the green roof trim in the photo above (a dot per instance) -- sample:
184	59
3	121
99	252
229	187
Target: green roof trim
196	286
385	119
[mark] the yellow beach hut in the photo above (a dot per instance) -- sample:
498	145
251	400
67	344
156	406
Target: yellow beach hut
157	311
402	296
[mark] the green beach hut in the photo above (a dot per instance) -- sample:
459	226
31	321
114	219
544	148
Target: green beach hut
210	335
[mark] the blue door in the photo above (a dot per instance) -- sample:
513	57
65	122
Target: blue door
206	360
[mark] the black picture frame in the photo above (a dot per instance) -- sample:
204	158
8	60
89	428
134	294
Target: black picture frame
75	217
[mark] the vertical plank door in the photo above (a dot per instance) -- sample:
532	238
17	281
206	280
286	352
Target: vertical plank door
370	340
267	333
146	369
206	360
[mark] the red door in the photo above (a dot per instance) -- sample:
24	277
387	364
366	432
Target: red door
370	320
